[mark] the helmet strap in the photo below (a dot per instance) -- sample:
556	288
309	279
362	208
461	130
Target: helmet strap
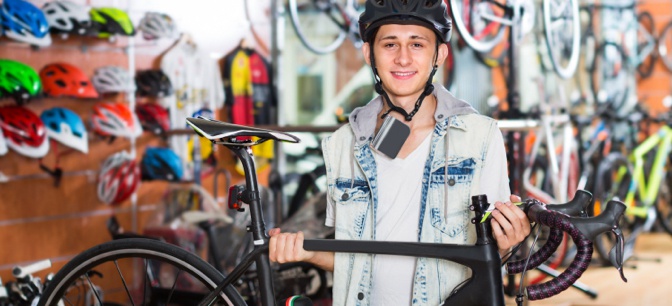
429	88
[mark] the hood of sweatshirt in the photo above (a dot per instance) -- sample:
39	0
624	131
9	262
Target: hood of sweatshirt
363	119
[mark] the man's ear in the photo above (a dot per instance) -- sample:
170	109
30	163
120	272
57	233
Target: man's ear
366	49
443	53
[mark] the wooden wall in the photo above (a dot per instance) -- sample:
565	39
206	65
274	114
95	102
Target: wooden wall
39	220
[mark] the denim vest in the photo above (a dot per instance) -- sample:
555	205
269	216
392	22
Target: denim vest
352	187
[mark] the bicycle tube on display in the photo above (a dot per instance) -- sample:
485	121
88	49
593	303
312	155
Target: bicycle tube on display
172	275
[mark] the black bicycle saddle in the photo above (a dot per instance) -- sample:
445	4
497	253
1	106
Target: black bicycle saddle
216	130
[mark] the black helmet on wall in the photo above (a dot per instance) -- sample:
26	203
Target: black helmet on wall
428	13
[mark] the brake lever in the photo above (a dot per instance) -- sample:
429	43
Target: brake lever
616	253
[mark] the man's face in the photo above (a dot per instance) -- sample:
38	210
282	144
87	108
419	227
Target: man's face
404	56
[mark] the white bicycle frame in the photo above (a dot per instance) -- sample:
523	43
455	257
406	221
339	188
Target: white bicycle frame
559	168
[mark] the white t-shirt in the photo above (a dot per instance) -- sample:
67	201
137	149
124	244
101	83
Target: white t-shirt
197	83
398	213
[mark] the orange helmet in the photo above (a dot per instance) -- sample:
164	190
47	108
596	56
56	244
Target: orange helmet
115	119
62	79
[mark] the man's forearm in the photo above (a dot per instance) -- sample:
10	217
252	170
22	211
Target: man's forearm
324	260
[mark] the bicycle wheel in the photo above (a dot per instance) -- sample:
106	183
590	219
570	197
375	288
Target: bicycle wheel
323	25
563	35
664	203
137	271
612	182
481	23
665	46
646	42
610	76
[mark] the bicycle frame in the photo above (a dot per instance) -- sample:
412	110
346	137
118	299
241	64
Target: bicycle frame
485	285
559	167
648	188
484	288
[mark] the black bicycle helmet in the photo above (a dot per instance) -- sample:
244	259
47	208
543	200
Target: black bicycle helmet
153	83
428	13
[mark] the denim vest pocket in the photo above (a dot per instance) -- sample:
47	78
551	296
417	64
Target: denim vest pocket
453	221
351	200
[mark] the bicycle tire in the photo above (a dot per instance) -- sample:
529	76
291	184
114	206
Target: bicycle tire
665	51
465	29
564	70
664	203
645	67
606	189
116	254
618	83
322	9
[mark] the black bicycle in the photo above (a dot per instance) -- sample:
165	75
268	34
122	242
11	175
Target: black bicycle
147	272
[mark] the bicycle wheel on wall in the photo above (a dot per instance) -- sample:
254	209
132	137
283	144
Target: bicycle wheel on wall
646	43
481	23
563	35
323	25
136	271
610	76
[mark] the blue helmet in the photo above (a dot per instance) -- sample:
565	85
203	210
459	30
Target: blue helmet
25	22
161	164
66	127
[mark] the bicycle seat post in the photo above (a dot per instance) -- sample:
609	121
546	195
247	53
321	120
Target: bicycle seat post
257	226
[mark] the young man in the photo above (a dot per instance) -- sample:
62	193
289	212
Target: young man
408	198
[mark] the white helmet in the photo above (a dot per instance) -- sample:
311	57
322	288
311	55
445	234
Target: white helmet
67	17
112	79
157	25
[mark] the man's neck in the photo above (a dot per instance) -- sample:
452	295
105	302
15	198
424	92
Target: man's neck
424	116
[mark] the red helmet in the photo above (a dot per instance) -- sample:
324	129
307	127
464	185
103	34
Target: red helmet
115	119
118	179
24	131
62	79
153	117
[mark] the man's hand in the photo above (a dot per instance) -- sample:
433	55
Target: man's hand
287	247
510	225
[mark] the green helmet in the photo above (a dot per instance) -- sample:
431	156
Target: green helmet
18	80
109	21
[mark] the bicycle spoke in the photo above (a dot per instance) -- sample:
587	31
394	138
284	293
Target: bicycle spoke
123	280
172	289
